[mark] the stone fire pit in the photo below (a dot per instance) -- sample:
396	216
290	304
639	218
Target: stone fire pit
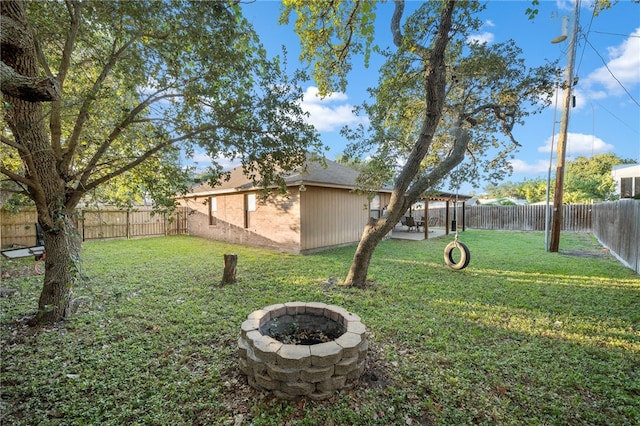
324	349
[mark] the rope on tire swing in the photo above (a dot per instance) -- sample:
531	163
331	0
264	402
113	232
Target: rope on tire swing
465	255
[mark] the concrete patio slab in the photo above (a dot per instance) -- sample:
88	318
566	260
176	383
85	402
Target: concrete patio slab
401	233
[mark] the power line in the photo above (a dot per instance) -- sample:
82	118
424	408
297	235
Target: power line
586	38
618	118
616	34
610	72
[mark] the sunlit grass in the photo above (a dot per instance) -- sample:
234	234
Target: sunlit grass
519	337
588	331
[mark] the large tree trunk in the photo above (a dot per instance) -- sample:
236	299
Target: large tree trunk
357	276
373	233
403	196
42	176
61	272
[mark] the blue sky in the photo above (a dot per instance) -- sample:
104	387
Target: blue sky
606	117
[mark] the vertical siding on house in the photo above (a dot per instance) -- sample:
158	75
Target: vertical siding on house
331	217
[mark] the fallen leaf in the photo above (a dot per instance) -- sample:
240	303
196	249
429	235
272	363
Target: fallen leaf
301	404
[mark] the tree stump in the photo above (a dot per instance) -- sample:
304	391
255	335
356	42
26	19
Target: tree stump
230	263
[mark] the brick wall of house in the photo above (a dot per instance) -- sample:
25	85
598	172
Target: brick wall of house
275	223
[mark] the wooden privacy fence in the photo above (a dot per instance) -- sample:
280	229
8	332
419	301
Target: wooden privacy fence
617	226
18	229
575	217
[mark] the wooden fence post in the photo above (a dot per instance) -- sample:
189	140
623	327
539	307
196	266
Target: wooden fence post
230	263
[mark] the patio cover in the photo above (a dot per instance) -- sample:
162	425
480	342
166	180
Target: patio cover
447	197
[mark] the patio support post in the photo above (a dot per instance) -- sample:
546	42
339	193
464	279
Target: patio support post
463	217
426	218
446	220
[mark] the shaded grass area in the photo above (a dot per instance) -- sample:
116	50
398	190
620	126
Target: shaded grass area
519	337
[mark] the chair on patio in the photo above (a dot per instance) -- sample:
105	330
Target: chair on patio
411	223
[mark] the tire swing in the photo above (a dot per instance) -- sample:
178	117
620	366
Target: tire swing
449	256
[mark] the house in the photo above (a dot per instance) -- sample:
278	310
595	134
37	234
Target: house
320	209
627	178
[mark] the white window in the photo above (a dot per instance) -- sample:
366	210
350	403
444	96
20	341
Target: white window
251	202
249	206
213	208
374	207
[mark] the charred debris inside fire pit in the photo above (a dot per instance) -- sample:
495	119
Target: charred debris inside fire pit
299	349
303	329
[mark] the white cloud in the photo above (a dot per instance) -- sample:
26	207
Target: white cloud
482	38
569	5
201	157
485	37
311	95
623	62
520	166
579	144
563	5
201	160
329	113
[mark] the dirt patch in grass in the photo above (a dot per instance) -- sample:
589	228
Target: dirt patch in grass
19	272
596	254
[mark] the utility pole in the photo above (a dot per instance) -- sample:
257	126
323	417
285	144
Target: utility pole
567	85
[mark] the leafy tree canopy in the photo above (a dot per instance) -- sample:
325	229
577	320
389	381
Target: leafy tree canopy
489	89
586	180
589	179
439	99
146	82
130	86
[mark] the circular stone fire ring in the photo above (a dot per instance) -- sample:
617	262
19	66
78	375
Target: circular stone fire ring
314	370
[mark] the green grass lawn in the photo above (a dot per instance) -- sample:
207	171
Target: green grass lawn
520	337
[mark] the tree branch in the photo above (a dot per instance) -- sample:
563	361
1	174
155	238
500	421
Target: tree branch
83	115
13	144
435	87
455	157
87	186
77	194
507	118
75	8
15	37
86	173
16	177
398	37
55	124
30	89
396	31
